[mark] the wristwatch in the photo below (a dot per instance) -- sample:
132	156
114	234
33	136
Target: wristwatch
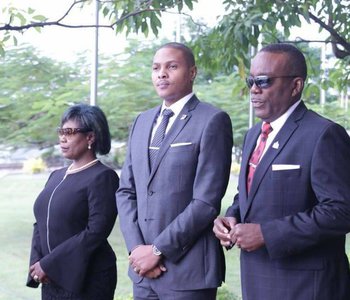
156	250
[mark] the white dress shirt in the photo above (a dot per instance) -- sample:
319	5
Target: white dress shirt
176	108
276	126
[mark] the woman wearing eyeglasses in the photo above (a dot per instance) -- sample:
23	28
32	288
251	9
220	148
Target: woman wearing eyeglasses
75	213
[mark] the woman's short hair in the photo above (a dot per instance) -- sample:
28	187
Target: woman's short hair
93	118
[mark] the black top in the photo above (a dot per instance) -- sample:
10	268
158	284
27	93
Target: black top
75	213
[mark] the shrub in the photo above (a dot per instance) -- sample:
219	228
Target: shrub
235	167
225	294
129	297
34	165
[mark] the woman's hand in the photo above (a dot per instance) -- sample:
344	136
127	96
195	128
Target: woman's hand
38	273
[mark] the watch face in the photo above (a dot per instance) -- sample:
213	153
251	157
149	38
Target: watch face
156	251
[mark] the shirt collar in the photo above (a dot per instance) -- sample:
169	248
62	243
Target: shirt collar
178	105
278	123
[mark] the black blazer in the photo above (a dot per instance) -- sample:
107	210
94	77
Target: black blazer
74	214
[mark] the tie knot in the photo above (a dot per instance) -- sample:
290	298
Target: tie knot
266	129
167	113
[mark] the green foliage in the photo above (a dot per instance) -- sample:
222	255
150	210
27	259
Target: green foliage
229	46
225	294
230	94
126	87
34	91
140	16
247	23
16	17
339	76
126	297
334	112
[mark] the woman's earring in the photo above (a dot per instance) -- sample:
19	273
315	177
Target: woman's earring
89	146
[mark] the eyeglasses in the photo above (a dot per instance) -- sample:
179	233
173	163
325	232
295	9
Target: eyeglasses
71	131
263	81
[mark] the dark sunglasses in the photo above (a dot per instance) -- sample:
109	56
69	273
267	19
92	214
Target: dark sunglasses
71	131
263	81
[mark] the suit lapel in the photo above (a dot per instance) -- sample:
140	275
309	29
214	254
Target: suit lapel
282	138
180	122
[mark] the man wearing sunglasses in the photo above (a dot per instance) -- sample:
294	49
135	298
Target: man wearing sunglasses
292	211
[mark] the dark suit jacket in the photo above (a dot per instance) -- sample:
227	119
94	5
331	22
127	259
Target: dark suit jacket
80	211
174	205
304	211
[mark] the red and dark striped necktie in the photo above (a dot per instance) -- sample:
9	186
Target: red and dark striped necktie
255	158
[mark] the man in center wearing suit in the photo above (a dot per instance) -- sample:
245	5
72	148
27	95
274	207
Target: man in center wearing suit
291	219
172	185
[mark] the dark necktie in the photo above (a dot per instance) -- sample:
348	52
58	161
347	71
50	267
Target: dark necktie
255	158
159	136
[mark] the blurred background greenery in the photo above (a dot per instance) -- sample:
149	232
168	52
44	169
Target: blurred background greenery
35	89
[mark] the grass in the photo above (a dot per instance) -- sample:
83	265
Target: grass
18	193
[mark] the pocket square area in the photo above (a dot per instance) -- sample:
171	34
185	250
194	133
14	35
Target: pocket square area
180	144
281	167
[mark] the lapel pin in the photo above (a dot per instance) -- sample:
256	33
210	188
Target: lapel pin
276	145
183	117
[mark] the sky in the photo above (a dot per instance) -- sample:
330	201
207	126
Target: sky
64	44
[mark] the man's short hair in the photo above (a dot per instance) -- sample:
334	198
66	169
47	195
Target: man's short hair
187	52
297	60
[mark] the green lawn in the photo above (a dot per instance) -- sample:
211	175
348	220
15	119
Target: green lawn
17	194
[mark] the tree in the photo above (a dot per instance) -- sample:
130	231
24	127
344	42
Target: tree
34	91
125	89
249	22
129	15
245	24
126	86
